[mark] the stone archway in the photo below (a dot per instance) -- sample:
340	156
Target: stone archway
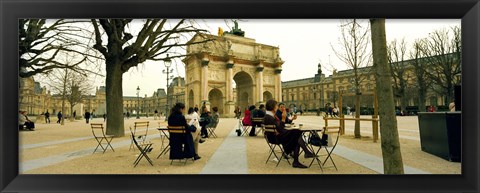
231	60
267	96
244	87
216	100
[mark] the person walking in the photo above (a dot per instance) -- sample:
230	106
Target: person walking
87	116
155	116
47	117
59	116
74	114
128	115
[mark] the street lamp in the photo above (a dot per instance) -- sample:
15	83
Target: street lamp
167	62
138	102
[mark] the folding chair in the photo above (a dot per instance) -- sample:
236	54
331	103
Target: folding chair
331	131
163	137
245	128
258	121
272	142
211	129
144	148
99	135
176	130
142	136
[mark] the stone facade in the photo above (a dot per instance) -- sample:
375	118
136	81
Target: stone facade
313	93
214	67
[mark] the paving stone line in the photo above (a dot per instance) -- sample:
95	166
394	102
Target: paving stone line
28	146
230	157
55	159
370	161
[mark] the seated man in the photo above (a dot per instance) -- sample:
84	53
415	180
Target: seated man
23	120
291	140
258	113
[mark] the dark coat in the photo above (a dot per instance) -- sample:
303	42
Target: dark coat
288	138
87	115
181	144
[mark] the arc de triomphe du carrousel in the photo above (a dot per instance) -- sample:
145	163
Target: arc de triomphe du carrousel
230	71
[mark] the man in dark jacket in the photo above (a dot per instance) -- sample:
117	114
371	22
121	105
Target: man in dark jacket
87	116
257	113
291	140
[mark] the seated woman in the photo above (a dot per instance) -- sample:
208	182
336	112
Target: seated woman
181	144
205	119
24	121
247	119
291	140
193	119
214	118
281	108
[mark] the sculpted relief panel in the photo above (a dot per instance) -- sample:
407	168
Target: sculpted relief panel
216	75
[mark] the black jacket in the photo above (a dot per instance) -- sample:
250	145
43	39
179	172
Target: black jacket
181	144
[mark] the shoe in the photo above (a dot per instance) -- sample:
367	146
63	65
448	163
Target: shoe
310	155
239	132
150	150
298	165
196	157
201	141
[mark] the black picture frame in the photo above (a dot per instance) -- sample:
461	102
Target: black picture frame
11	11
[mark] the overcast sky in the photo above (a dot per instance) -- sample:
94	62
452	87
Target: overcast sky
303	44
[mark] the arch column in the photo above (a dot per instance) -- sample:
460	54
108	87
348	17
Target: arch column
278	84
204	84
260	83
230	104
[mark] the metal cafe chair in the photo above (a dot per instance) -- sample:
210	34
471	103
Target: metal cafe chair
144	147
142	136
329	149
211	129
176	130
102	139
273	143
245	128
258	121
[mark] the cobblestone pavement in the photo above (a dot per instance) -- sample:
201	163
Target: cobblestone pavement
67	149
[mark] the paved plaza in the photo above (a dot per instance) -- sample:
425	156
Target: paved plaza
67	149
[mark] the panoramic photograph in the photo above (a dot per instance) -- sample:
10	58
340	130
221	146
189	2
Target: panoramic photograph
240	96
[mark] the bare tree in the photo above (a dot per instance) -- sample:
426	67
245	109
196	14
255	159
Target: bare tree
355	42
67	83
42	42
442	53
126	48
78	87
398	67
420	77
392	156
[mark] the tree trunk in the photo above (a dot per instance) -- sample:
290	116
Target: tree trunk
71	113
62	122
115	123
392	157
357	115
